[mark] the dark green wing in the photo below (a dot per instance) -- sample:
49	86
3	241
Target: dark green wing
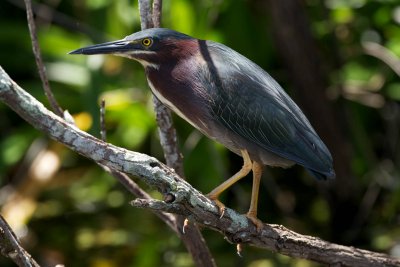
251	104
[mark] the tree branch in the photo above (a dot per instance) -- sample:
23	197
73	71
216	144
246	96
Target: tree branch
183	198
49	14
167	132
384	54
39	62
10	247
192	237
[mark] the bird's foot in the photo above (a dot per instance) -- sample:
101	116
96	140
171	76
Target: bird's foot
219	204
257	222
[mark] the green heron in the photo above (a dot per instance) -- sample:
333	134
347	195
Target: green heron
228	98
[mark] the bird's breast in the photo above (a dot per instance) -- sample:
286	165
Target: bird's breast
176	87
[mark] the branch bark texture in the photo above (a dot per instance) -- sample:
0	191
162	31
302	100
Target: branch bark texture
185	199
10	246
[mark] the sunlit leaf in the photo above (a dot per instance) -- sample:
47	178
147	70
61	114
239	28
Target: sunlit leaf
95	4
67	73
356	71
393	91
13	148
183	15
57	42
320	211
342	15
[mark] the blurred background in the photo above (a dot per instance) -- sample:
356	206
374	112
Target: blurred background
339	60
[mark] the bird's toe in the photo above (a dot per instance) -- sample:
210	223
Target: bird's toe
257	222
220	205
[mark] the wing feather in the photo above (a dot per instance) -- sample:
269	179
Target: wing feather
250	103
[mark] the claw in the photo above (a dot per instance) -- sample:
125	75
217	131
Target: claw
185	225
220	206
239	249
257	222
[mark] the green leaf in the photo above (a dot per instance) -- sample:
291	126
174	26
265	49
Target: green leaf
393	91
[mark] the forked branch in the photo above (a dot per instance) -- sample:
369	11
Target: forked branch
183	198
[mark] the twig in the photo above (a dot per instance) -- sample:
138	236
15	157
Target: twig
384	54
167	132
10	247
168	137
103	132
145	15
187	200
56	17
157	11
39	62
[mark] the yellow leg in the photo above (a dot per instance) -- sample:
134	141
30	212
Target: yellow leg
214	194
252	213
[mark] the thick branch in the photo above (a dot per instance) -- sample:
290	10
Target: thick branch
186	200
133	188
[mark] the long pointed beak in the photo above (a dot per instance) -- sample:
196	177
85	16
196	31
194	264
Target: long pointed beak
114	47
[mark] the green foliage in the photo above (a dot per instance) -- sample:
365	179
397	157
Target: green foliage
82	217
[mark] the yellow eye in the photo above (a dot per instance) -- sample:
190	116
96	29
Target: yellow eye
147	42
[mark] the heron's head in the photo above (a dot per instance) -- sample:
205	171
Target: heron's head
150	47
